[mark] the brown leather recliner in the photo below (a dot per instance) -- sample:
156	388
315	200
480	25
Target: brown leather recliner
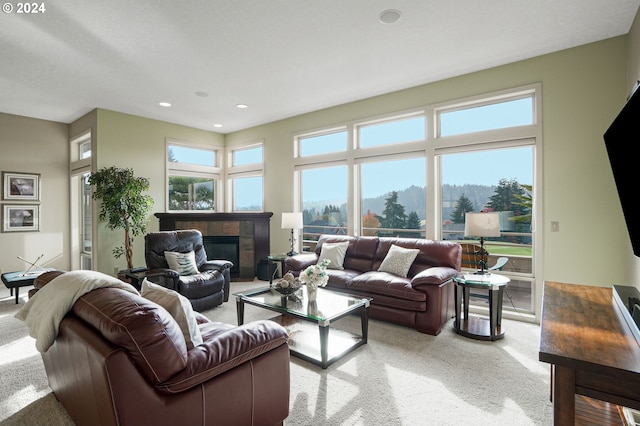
120	359
206	289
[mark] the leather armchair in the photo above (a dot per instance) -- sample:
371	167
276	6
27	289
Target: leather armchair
208	288
120	359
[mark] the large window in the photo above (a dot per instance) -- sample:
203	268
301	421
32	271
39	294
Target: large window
487	151
393	198
192	177
324	201
504	184
245	178
415	174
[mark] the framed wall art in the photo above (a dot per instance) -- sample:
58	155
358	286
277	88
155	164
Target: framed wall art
20	217
20	186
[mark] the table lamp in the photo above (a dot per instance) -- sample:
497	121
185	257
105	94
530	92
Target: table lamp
292	220
482	225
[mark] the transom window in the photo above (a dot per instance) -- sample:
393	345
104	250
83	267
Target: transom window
190	155
496	115
392	131
329	142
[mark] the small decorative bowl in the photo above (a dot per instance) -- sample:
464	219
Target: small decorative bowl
290	288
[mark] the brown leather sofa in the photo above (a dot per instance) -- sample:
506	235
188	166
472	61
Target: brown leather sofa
120	359
423	300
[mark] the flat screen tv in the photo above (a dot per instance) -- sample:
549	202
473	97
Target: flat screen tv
620	139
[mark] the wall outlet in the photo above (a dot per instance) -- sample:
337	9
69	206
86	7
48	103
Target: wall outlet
115	271
555	226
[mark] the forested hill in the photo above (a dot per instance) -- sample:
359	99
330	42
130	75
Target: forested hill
413	199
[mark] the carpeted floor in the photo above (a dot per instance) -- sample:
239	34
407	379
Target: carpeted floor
401	377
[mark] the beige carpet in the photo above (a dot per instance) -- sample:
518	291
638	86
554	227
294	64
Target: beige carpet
401	377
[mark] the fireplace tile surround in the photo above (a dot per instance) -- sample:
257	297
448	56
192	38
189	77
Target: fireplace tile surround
252	230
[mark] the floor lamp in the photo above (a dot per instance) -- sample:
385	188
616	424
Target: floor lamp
292	220
482	225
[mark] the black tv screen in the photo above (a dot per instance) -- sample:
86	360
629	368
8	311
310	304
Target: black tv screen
620	140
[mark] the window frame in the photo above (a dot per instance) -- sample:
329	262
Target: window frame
432	148
234	172
196	171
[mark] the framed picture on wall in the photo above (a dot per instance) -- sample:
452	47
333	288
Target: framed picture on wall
20	186
20	217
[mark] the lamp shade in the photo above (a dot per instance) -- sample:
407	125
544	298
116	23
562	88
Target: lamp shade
482	224
292	220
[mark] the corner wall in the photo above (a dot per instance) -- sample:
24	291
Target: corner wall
30	145
128	141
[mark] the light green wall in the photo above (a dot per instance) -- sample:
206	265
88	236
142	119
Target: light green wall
583	88
30	145
128	141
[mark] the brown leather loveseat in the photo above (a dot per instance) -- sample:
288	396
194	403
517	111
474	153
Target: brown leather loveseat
422	300
120	359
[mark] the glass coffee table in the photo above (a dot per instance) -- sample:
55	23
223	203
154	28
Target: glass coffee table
308	322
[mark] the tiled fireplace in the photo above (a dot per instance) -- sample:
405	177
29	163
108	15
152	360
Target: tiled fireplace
251	229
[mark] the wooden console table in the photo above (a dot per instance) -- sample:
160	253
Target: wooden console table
591	349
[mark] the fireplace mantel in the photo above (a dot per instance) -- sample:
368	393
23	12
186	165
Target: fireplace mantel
251	228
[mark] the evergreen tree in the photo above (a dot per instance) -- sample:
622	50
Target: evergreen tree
394	215
505	197
171	156
413	221
525	202
463	205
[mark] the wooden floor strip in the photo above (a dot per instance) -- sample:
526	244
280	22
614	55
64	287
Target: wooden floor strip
593	412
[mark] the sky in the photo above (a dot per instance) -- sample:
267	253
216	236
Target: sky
480	168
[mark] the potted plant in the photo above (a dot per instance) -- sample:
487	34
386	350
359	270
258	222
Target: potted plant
122	204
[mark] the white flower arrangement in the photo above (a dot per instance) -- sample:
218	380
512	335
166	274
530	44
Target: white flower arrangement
316	275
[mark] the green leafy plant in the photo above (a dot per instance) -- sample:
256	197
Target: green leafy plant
122	204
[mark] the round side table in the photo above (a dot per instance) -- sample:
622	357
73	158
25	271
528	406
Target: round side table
480	328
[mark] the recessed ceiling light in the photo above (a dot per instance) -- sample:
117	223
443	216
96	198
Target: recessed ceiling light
217	125
242	106
165	104
389	16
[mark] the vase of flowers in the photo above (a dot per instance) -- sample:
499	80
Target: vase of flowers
315	276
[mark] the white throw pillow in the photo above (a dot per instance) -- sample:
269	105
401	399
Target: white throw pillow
398	260
335	252
178	306
183	263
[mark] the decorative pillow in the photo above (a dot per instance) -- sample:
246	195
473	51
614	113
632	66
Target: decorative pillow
178	306
398	260
183	263
335	252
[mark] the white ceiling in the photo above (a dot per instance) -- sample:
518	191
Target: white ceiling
280	57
